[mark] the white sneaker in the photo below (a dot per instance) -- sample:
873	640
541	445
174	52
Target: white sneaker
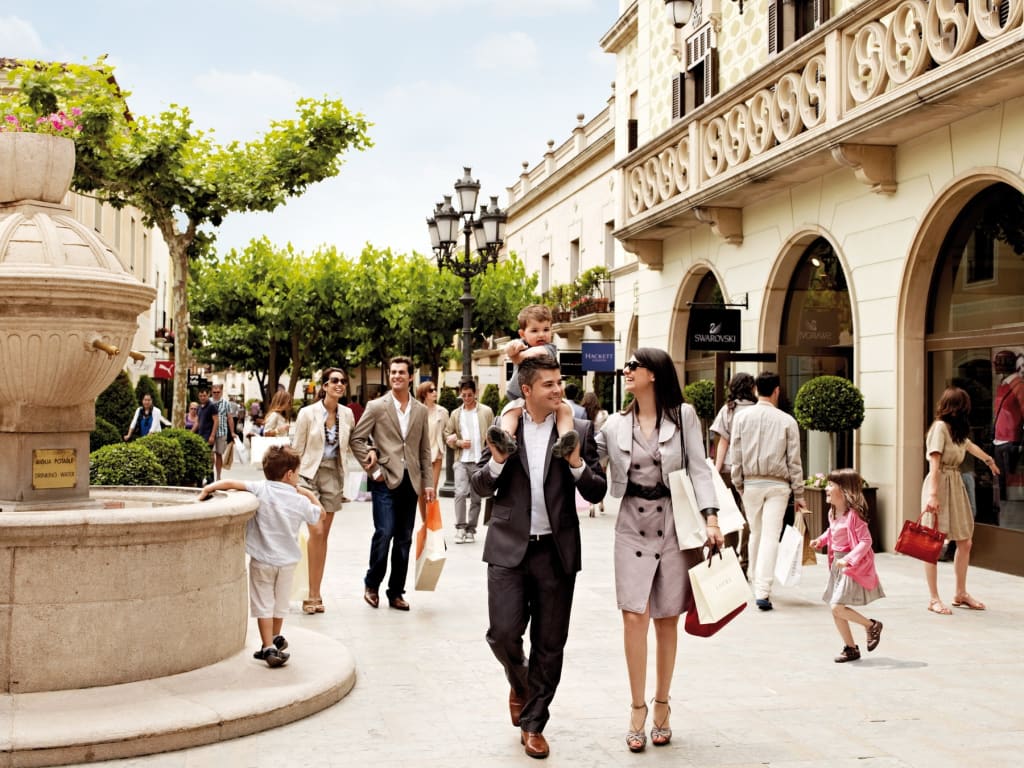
460	537
470	537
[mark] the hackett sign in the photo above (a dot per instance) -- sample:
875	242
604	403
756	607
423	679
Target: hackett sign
715	329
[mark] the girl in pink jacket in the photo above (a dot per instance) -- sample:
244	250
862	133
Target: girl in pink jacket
852	578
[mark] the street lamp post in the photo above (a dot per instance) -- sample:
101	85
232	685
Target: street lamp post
488	231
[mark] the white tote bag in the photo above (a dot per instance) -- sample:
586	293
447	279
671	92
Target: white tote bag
718	586
690	528
730	519
789	564
430	549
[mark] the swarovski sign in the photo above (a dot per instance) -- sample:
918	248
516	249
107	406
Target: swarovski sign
715	329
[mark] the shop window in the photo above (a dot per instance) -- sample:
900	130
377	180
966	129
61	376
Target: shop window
817	312
790	20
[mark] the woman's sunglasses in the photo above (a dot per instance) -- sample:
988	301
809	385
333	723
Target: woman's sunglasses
336	380
632	365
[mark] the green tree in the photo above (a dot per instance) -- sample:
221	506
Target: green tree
184	183
116	404
500	293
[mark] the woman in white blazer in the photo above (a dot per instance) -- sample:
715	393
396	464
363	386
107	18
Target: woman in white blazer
322	432
642	445
147	418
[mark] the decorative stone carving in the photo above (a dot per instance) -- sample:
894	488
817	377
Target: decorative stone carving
34	166
872	165
648	252
727	223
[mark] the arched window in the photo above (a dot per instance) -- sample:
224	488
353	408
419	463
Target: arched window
700	363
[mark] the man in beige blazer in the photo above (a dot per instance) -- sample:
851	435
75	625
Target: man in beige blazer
392	440
464	434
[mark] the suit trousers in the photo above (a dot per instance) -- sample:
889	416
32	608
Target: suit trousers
465	495
394	514
537	592
765	505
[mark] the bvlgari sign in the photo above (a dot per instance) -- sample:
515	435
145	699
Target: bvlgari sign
715	329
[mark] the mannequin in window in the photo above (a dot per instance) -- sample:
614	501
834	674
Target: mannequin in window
1008	415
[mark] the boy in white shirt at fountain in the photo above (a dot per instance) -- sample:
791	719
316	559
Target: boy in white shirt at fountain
271	541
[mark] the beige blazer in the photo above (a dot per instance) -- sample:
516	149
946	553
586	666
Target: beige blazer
309	438
453	429
378	428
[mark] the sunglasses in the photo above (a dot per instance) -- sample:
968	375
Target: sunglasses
632	365
431	390
336	380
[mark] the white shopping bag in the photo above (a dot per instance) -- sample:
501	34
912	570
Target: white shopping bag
260	445
690	528
355	486
719	586
730	519
430	549
789	564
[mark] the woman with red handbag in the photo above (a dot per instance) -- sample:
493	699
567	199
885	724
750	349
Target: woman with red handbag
945	495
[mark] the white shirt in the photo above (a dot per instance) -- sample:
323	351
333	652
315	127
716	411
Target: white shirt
536	436
271	535
403	416
470	430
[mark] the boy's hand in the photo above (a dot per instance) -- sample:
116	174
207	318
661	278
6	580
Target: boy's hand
497	455
205	493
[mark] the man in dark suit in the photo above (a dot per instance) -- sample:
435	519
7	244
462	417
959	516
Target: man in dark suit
392	440
533	546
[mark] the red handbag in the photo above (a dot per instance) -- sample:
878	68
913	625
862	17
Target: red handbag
693	626
921	541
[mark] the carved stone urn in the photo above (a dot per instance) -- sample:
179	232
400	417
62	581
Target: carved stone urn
68	315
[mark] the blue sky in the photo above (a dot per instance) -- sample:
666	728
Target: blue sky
447	83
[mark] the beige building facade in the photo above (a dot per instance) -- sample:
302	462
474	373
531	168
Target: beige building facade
850	174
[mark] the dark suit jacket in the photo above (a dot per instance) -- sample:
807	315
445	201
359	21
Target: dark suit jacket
509	529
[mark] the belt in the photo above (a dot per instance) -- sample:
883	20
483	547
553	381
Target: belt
649	492
539	536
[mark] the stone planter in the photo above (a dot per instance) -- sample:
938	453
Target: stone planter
561	317
817	520
35	166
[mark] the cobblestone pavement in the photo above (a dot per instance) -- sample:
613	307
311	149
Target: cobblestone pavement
938	691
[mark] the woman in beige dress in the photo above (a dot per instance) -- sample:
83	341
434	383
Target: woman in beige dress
278	421
437	417
642	445
322	431
945	495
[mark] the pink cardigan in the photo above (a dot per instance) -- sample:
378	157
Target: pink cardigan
860	561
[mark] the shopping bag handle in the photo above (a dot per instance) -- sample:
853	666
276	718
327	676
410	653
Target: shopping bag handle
712	551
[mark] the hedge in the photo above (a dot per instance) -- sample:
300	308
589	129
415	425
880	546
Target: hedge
125	464
169	453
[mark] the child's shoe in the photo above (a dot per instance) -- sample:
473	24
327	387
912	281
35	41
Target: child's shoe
874	634
279	642
275	658
502	440
850	653
565	444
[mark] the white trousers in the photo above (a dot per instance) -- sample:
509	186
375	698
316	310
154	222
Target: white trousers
765	504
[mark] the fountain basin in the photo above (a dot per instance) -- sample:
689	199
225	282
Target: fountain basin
141	583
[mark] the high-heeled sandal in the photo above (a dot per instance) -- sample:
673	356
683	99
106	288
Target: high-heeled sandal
637	740
661	734
315	605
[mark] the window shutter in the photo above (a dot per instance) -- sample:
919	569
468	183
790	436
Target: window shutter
774	27
711	74
821	12
678	96
632	135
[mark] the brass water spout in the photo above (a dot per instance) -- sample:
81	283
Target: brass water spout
103	346
138	357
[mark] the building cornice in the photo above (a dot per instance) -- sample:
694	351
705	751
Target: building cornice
623	30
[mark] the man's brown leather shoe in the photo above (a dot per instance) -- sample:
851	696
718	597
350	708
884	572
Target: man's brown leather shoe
371	597
398	604
536	745
515	705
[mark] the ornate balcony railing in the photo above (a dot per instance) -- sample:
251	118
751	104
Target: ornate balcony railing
844	95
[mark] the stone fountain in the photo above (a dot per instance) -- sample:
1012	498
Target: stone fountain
106	595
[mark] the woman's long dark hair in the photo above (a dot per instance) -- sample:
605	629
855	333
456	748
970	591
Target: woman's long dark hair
741	387
954	407
324	378
668	395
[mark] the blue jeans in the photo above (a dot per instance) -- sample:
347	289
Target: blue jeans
394	513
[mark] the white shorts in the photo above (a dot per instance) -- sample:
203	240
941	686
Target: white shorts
270	589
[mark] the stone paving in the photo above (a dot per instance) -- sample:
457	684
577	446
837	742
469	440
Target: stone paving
938	691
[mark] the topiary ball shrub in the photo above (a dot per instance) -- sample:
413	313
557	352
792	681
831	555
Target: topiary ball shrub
104	433
198	462
491	398
125	464
117	402
449	399
829	404
701	395
169	453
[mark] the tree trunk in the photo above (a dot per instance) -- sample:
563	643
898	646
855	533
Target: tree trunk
178	245
293	379
272	374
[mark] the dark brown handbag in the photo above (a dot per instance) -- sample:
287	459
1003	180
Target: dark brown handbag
921	541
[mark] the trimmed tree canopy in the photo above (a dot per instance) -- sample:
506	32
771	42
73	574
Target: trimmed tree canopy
829	404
